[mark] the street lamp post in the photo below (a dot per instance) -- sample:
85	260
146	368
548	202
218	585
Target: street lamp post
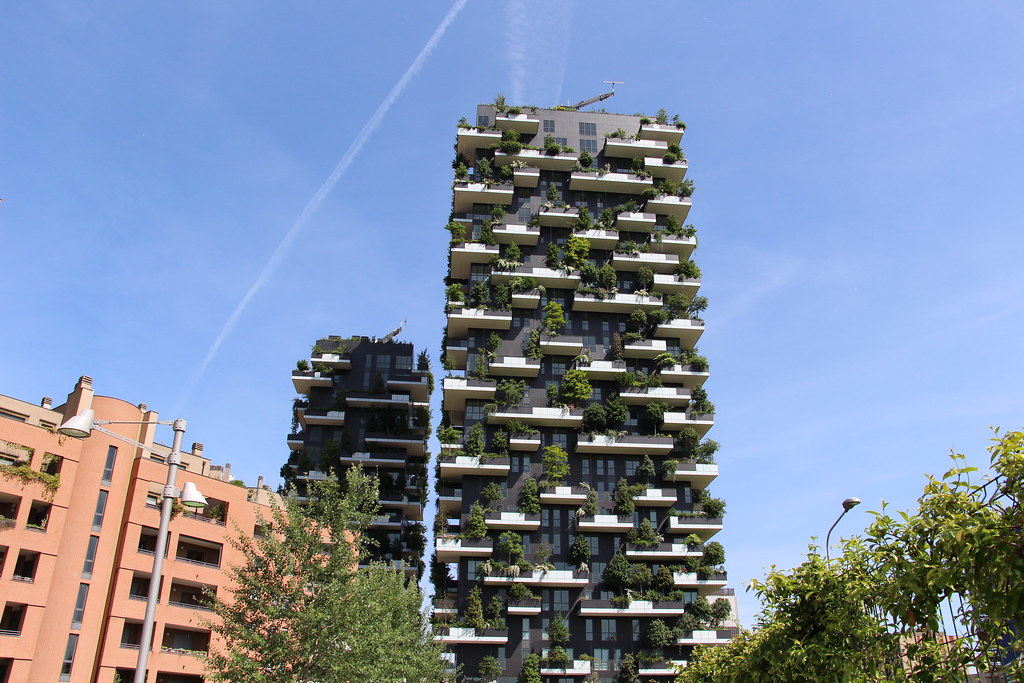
848	505
80	427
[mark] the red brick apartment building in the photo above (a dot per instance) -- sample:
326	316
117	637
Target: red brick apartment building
78	528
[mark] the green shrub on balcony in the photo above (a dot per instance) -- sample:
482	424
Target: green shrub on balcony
489	669
529	497
575	387
554	318
476	525
556	465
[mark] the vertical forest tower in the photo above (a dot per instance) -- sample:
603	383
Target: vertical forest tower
573	537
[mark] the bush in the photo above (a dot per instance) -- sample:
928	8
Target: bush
659	634
554	318
585	159
489	669
529	497
575	387
594	418
476	526
579	552
556	464
714	553
519	591
576	251
474	614
553	258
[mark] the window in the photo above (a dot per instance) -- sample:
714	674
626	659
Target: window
631	465
588	145
549	125
560	601
13	416
90	557
483	121
479	272
525	213
588	625
564	142
403	363
108	468
25	567
12	619
101	508
38	516
588	128
79	613
608	630
69	657
474	410
636	630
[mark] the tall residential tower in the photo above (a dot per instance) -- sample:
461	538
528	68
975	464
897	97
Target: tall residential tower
574	525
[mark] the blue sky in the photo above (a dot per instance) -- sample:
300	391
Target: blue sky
856	168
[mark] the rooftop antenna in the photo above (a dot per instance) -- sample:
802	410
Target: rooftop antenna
394	333
599	98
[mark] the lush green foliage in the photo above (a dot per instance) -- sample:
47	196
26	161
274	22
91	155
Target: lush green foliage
575	387
529	497
556	464
554	318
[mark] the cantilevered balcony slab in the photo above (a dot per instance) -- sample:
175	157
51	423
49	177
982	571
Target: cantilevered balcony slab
416	382
512	521
468	140
456	466
700	475
563	495
555	578
538	416
526	177
634	149
683	374
705	527
449	499
410	507
334	360
515	233
722	636
368	400
530	299
321	418
459	635
658	263
559	217
656	498
375	460
525	608
680	245
664	668
546	277
412	443
668	283
458	351
637	608
575	667
670	205
296	442
304	381
624	445
452	549
605	523
667	132
457	390
686	330
468	194
700	422
564	161
515	366
657	167
620	302
674	396
463	256
521	123
599	239
645	348
596	181
603	369
664	552
462	320
524	443
561	345
705	586
635	221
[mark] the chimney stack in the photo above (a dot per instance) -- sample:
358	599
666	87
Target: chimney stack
47	402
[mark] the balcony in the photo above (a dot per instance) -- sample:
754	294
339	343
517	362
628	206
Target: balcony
530	299
705	527
526	608
670	205
624	445
645	348
563	495
547	277
392	522
321	417
667	132
617	303
456	635
512	521
554	578
509	233
595	181
515	366
656	498
658	263
705	586
468	194
701	422
663	551
668	283
634	149
576	667
680	245
455	466
561	345
295	442
409	504
674	396
635	221
449	498
462	320
559	217
603	369
599	239
657	167
415	382
304	381
537	158
663	668
457	390
452	549
457	350
686	330
521	123
538	416
608	523
526	177
364	399
698	474
374	459
468	140
524	443
463	256
637	608
683	374
333	360
411	443
722	636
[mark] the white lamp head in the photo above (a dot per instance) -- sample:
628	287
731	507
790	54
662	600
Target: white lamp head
191	497
850	503
79	426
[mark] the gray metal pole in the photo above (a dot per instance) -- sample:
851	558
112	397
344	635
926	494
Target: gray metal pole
829	534
170	494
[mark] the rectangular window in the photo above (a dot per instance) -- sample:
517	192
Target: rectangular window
83	595
560	601
636	630
525	213
588	625
631	465
101	507
592	543
483	121
479	272
588	145
69	657
549	125
90	557
108	468
588	128
608	630
687	494
403	363
564	142
474	410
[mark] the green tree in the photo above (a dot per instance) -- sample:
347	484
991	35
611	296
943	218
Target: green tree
579	552
530	672
476	525
575	387
474	614
556	464
659	634
489	669
576	251
618	575
492	493
554	318
529	497
553	259
646	471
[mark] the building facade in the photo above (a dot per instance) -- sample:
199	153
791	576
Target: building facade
575	521
366	403
78	527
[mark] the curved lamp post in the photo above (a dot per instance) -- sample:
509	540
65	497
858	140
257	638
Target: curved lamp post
848	505
81	426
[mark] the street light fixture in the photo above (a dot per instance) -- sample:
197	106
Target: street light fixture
82	426
848	505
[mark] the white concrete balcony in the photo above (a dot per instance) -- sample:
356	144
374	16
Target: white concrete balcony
658	263
515	366
296	442
657	167
656	498
683	374
462	257
667	132
705	586
564	161
458	351
563	495
411	508
456	466
599	239
538	416
700	422
449	499
686	330
468	194
620	302
412	443
524	443
468	140
670	205
514	233
559	217
457	390
334	360
700	475
547	277
459	635
462	320
596	181
416	382
637	608
304	381
674	396
662	551
365	400
635	221
374	460
705	527
321	418
668	283
530	299
680	245
526	608
561	345
554	578
603	369
634	149
512	521
645	348
526	177
668	668
576	667
521	123
453	549
624	445
605	523
719	637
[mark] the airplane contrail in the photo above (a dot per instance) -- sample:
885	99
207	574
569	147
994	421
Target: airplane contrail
360	140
